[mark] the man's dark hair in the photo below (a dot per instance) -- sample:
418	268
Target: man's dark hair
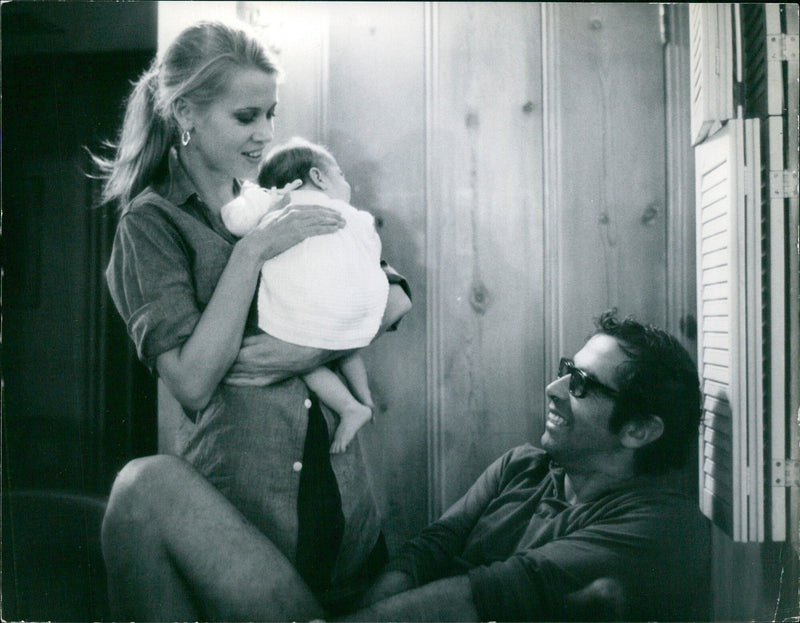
660	379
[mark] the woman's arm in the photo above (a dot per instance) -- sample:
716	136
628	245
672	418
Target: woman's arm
264	359
193	370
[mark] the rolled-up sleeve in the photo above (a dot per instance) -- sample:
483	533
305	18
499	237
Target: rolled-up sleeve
395	278
150	281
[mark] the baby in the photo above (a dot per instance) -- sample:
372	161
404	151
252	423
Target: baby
326	292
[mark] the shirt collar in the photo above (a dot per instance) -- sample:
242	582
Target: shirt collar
557	473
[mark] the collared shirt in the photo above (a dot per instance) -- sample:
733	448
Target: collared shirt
524	546
168	254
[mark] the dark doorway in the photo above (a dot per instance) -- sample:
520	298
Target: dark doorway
76	403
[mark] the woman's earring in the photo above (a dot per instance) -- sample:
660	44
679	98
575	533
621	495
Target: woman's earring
185	138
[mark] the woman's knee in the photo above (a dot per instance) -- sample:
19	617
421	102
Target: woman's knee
140	492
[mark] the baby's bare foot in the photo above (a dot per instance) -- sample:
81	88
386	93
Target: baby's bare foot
350	421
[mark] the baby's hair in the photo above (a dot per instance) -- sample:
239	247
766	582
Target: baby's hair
293	160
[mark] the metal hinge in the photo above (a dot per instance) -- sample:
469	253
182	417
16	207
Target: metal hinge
782	47
783	184
786	473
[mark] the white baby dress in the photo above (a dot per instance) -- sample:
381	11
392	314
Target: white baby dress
326	292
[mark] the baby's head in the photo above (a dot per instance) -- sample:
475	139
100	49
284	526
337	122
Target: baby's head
299	159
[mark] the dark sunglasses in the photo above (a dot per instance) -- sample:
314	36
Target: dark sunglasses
580	382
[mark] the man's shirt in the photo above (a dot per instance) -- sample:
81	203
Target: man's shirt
524	547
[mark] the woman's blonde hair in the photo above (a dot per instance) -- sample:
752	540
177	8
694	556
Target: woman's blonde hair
196	67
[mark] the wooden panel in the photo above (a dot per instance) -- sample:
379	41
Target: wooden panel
303	94
605	87
375	127
485	144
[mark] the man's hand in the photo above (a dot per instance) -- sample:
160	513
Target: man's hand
387	584
602	600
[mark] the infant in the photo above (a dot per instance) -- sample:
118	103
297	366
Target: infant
326	292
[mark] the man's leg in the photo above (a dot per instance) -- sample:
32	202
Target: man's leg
176	549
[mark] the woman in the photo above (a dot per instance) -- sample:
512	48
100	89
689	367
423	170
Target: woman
196	124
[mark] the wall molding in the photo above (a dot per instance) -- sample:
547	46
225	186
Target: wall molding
436	484
551	165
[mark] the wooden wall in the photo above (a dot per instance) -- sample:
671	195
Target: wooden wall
605	166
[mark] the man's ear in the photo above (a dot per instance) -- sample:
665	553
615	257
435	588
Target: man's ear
638	433
318	178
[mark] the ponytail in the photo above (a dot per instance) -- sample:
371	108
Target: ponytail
142	147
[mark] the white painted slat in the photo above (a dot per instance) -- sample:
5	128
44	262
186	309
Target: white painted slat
716	275
718	340
714	291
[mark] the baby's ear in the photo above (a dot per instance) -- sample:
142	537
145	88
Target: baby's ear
318	178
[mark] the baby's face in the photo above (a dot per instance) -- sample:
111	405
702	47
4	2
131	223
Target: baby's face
338	188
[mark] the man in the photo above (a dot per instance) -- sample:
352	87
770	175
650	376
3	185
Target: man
543	534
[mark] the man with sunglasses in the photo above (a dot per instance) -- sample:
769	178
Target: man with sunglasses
583	527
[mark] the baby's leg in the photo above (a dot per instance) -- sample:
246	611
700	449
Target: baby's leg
334	393
355	371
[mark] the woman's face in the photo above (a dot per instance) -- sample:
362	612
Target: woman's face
229	136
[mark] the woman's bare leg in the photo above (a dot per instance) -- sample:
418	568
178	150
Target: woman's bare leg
176	549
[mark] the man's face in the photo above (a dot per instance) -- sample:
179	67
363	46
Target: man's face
576	429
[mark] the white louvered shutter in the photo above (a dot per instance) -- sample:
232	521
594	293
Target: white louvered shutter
729	357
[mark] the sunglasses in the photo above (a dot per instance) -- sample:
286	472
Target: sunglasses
580	382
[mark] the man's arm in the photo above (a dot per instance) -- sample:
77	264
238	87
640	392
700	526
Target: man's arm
430	555
449	599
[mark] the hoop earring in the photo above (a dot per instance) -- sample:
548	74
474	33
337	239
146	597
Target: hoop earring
185	138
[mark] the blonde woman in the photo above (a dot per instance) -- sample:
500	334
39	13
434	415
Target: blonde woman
196	125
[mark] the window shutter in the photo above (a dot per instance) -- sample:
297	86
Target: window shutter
748	268
711	51
729	318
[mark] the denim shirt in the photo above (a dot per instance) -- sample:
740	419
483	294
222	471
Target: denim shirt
168	254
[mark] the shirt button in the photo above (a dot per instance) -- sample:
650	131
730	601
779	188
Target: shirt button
297	466
307	403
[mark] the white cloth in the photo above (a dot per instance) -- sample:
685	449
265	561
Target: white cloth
328	291
243	214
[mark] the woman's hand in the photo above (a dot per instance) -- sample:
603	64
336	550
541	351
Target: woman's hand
292	225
